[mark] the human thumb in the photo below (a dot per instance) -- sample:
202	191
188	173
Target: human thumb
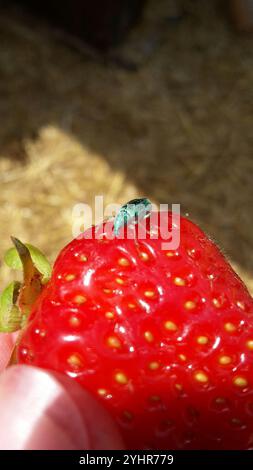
44	410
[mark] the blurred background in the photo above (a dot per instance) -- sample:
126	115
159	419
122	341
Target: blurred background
156	100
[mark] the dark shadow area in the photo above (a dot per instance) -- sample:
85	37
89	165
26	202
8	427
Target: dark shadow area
179	127
102	23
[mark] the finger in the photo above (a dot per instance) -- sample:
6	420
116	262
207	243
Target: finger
40	410
7	342
6	346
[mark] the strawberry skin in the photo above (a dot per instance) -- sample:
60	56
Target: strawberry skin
163	338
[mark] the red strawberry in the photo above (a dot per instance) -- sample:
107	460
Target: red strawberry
163	338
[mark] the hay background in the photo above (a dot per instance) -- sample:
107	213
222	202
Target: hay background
177	130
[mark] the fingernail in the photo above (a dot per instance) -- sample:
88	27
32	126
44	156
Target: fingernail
40	410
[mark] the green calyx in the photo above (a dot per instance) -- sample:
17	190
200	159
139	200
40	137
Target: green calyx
12	259
10	315
17	299
133	211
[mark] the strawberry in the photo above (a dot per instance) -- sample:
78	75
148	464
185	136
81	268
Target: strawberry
163	338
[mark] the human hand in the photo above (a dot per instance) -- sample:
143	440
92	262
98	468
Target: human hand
44	410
